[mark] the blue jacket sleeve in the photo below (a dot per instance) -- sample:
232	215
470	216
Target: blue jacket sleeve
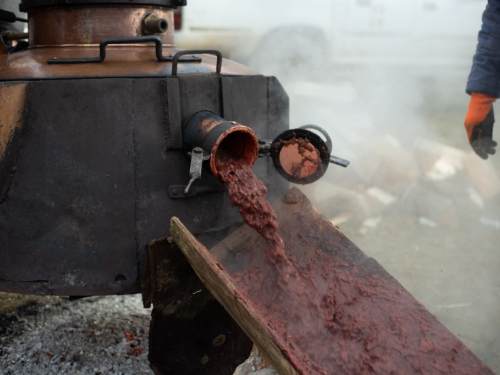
485	74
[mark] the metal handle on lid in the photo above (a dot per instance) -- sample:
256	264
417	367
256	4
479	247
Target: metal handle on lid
122	40
196	52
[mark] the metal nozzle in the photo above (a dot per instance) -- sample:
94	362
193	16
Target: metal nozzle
213	134
154	25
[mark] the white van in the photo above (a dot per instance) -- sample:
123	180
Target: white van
415	33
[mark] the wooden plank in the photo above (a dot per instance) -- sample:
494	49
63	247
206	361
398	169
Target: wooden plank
212	274
374	324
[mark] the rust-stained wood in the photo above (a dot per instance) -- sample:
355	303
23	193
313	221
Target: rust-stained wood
372	313
217	281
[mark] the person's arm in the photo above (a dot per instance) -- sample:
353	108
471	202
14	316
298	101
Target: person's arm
479	124
484	83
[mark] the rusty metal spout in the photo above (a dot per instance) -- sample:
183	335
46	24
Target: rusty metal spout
215	134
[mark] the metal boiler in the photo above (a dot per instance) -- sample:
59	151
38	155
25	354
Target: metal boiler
102	138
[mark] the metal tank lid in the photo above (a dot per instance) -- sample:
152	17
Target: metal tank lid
27	5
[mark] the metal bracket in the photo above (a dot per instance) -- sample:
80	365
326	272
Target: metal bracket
339	161
198	156
177	58
265	147
125	40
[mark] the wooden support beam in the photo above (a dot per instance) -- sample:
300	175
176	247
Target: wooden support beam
212	274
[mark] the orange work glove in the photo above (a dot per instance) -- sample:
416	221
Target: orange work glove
479	124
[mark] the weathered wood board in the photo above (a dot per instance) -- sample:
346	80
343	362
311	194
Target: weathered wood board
365	323
213	275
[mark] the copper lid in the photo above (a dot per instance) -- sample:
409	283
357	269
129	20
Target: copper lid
27	5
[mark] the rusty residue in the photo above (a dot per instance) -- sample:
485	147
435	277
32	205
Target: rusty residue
299	157
207	124
291	198
351	318
12	99
239	141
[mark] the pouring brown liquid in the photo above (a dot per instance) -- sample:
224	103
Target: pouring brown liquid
329	318
248	193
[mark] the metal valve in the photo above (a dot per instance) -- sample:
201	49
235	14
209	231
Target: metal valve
301	156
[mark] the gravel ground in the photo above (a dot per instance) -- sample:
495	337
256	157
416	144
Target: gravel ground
97	335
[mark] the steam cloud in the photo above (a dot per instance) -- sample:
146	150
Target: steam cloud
387	81
415	197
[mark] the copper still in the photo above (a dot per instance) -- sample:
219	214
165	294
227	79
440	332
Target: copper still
95	157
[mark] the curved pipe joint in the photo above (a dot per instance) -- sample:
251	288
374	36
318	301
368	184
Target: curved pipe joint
218	136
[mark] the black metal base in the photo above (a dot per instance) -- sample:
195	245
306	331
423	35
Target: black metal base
190	332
